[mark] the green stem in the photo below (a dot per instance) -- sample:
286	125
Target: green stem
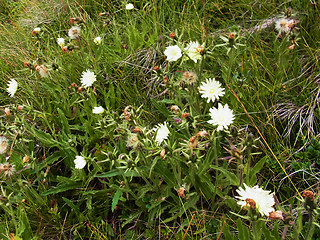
254	228
310	227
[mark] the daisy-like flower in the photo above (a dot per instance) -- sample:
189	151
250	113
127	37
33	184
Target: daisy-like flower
257	198
60	42
79	162
129	6
74	32
88	78
98	110
97	40
36	31
173	53
4	144
211	89
162	132
12	87
282	25
221	116
194	50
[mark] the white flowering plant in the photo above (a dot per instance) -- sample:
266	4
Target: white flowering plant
112	119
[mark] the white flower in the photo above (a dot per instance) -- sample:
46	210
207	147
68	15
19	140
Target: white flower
88	78
74	32
173	53
129	6
222	116
79	162
98	110
36	30
97	40
4	144
263	199
12	87
282	25
211	89
162	132
194	50
60	42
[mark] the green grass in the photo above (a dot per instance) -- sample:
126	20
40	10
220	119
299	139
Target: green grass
133	191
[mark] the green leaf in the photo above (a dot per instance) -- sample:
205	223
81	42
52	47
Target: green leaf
243	232
72	206
255	170
234	180
64	122
43	137
117	172
115	199
61	188
226	233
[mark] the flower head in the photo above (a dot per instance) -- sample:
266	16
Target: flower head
282	25
79	162
211	90
189	77
129	6
221	116
60	42
98	110
36	31
12	87
74	32
263	199
7	169
133	141
162	132
43	70
88	78
97	40
194	50
173	53
4	144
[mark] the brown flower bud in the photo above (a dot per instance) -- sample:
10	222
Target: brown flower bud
74	20
181	192
174	108
308	195
202	133
27	64
20	107
7	111
172	35
80	89
231	36
73	84
165	79
276	215
25	159
185	115
103	14
156	68
162	153
65	49
136	130
292	46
